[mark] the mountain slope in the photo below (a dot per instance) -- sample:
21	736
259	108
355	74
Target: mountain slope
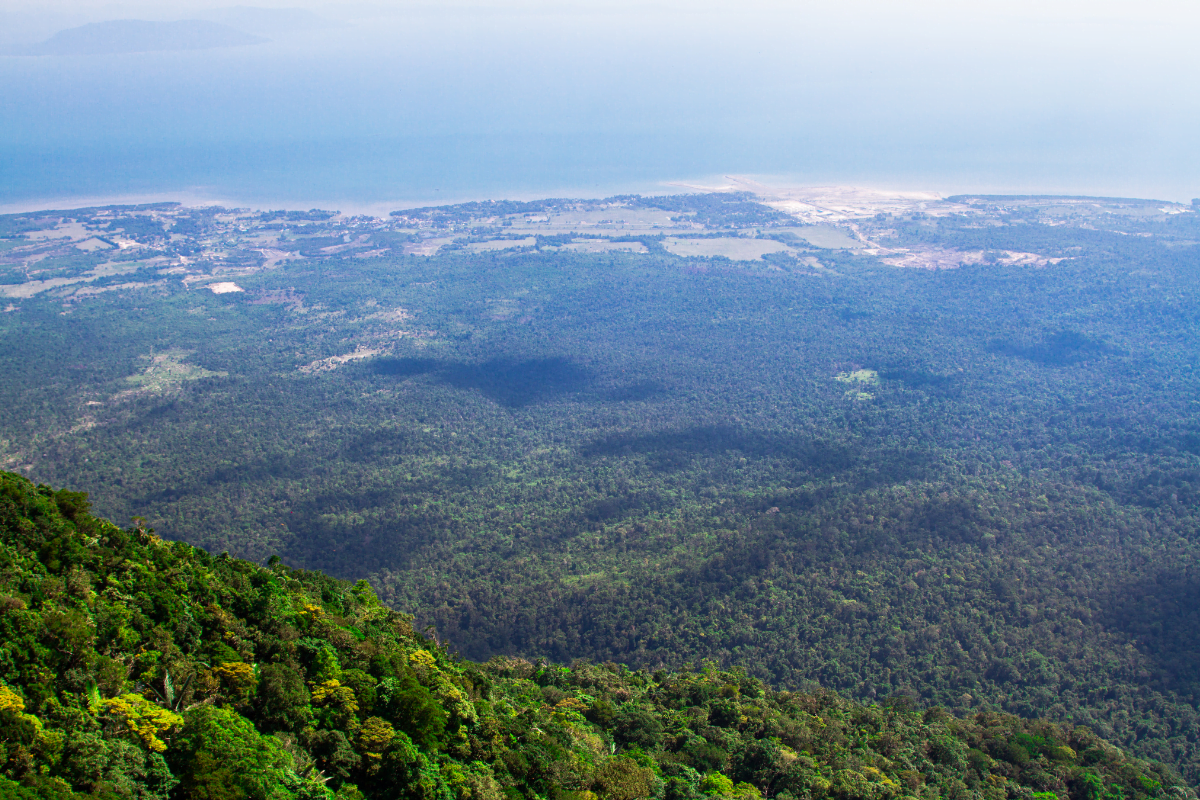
133	667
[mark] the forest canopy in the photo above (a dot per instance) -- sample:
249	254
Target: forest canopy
139	668
951	454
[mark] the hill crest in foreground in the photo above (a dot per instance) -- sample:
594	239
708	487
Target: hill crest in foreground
134	667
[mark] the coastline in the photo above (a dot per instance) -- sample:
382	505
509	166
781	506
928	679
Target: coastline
373	208
200	197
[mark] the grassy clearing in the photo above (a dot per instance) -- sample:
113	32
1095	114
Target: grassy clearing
828	237
859	380
165	371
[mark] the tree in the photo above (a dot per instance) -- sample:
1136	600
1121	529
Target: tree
220	756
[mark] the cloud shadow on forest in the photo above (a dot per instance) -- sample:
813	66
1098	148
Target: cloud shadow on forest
674	449
511	382
930	382
322	535
619	506
1061	349
1161	617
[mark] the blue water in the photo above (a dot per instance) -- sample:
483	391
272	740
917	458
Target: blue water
443	106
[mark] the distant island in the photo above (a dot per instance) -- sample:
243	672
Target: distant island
140	36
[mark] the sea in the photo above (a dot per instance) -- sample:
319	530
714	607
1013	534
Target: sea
420	105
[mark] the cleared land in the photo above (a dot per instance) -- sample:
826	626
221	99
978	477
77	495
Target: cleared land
65	230
827	237
107	269
333	362
502	244
601	246
620	219
734	249
428	247
164	371
944	258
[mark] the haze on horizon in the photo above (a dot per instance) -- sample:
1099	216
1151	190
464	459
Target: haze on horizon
423	102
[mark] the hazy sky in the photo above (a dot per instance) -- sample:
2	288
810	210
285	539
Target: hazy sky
483	96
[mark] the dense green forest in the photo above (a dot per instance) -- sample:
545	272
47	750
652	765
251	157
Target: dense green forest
134	667
972	487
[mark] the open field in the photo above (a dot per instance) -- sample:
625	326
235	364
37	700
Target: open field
735	249
501	244
35	287
427	247
942	258
602	246
828	237
64	230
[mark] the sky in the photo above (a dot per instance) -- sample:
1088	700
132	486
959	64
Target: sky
403	103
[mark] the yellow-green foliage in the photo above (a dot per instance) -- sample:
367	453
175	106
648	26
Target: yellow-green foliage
143	718
10	700
237	677
332	693
375	735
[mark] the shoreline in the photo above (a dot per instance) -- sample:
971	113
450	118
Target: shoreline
197	198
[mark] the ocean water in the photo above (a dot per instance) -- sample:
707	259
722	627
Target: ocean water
429	106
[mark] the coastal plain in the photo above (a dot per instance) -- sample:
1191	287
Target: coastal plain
888	443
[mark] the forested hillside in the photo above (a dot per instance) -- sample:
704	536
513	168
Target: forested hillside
976	487
138	668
